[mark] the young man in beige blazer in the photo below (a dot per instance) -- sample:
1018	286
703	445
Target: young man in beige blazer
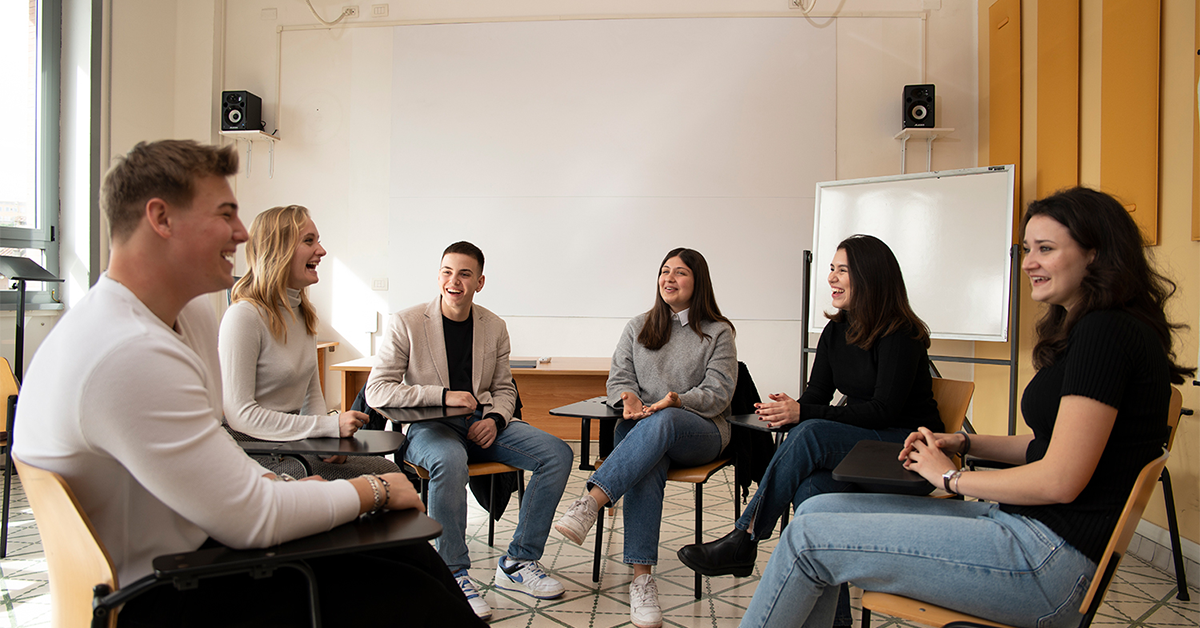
451	352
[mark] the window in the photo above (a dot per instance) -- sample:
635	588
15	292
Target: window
30	34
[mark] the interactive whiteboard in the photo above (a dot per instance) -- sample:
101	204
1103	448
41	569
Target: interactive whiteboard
951	232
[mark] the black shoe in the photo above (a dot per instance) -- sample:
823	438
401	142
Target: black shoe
730	555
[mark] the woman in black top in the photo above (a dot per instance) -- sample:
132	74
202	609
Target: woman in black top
874	351
1097	407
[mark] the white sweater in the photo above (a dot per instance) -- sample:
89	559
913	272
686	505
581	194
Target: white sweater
272	388
128	411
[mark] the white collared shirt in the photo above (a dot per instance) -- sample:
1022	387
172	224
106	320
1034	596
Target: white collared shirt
682	317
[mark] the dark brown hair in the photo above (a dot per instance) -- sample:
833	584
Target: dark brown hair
1119	278
656	329
878	301
468	249
167	169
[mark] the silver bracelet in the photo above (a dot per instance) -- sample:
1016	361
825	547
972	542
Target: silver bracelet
387	491
957	474
375	490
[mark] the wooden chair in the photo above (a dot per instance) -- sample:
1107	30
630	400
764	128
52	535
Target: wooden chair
8	390
1173	416
915	610
953	398
476	469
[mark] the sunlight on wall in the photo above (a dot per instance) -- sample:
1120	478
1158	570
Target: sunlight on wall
355	307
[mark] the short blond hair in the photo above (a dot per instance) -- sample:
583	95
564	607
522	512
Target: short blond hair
167	169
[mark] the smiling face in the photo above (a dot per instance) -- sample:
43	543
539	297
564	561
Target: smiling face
675	284
839	280
1054	262
208	233
302	272
459	279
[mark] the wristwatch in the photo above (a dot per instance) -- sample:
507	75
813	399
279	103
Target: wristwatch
947	477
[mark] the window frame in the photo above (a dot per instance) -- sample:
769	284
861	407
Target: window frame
46	151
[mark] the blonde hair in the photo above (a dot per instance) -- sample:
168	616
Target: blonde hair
273	237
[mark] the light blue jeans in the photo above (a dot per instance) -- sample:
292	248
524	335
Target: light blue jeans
637	469
442	448
803	467
967	556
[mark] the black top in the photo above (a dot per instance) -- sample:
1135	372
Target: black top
459	337
1117	360
888	386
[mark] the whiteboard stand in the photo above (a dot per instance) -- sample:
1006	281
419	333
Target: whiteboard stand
1011	362
926	134
250	136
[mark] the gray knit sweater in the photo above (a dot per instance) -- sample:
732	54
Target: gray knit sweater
702	371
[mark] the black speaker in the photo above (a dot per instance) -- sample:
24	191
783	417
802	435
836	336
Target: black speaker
918	107
241	111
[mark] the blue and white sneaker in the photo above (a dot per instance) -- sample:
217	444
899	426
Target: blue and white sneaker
478	604
528	578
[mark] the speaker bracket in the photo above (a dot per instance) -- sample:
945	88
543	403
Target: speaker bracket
250	137
922	134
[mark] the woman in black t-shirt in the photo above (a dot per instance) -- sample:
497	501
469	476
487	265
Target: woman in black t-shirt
1097	408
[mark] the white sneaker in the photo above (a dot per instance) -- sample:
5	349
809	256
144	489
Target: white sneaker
578	521
527	577
643	602
478	604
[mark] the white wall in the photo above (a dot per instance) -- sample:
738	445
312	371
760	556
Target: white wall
335	159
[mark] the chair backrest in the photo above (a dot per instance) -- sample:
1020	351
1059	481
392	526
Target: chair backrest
75	557
9	388
1173	415
953	398
1143	488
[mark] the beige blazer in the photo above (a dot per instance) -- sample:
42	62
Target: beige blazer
413	370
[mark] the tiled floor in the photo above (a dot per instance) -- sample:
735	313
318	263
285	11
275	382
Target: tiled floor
1141	596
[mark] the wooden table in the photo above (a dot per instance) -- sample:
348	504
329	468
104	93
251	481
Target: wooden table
548	386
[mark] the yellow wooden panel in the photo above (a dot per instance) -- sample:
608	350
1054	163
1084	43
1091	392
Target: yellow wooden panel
1129	63
1057	96
1004	89
1196	133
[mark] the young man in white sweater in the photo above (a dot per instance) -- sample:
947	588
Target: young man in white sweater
451	352
123	399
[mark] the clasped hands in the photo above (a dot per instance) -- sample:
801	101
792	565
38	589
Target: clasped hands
634	409
925	453
482	432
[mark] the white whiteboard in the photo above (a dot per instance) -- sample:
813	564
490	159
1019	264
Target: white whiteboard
577	153
951	231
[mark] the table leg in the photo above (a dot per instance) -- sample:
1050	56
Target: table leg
585	444
607	428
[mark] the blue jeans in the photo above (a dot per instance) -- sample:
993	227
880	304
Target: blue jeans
637	469
442	447
967	556
803	467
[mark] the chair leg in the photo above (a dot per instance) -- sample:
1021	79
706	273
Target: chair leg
425	492
520	488
599	545
1172	524
12	413
491	504
866	619
699	529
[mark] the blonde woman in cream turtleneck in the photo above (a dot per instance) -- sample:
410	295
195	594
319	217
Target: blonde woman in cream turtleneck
268	346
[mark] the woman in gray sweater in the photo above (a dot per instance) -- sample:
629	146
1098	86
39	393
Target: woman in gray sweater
673	372
268	346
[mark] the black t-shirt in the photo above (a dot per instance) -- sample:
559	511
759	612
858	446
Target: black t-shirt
1116	359
887	386
458	337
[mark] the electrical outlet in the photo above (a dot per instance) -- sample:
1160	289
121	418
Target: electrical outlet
350	11
379	284
379	10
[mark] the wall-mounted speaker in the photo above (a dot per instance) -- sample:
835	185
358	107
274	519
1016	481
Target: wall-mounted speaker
918	107
241	111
